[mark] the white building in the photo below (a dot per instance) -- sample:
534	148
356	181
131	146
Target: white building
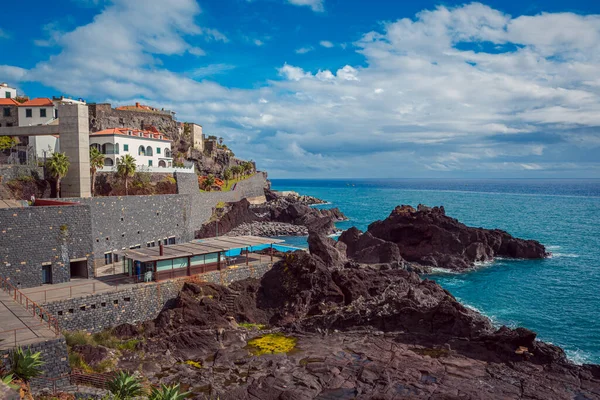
40	111
7	92
150	149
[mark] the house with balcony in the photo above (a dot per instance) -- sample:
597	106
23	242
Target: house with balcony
151	149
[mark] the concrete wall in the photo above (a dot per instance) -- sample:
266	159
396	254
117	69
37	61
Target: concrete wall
56	363
103	116
32	236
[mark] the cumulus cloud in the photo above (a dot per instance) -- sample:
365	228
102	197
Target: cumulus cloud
315	5
304	50
451	92
326	43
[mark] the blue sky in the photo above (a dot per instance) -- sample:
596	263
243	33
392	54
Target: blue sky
332	88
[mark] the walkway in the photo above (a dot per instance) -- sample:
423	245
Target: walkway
18	325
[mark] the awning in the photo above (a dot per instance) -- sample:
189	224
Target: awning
196	248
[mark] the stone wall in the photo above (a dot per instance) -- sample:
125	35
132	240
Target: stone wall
12	119
56	363
230	275
99	311
127	221
9	172
34	236
103	116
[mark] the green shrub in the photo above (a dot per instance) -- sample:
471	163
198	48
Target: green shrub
125	386
167	393
77	337
25	364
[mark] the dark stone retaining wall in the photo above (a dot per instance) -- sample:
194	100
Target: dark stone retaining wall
56	363
32	236
99	311
103	116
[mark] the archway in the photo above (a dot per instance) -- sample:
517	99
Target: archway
148	151
162	164
141	151
108	162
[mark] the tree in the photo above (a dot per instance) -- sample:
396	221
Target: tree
227	175
208	182
58	166
7	142
26	365
125	386
126	169
236	170
167	393
96	162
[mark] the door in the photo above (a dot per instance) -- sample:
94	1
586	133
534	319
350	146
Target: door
46	274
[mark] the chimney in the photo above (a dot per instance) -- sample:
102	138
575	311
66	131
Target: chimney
161	249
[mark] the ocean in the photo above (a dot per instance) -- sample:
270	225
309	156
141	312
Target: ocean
559	297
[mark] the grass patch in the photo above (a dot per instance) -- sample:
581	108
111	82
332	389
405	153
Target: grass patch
76	361
250	326
77	338
229	184
273	343
128	345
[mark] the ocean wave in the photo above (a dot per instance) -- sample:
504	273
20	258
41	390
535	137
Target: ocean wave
321	204
553	248
492	318
566	255
438	270
578	357
483	263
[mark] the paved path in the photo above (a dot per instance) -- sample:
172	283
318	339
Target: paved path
29	329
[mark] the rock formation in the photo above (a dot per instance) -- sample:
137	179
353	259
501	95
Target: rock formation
259	219
429	237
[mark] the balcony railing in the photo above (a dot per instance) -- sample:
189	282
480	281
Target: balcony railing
110	152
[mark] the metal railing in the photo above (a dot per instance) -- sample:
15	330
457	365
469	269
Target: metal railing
9	337
30	305
113	283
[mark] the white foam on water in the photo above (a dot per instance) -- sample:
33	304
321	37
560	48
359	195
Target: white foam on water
552	248
483	263
565	255
492	318
578	357
438	270
321	204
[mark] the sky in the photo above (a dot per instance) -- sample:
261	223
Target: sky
336	88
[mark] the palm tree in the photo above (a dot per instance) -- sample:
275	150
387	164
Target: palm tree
58	166
227	175
126	169
26	365
96	162
167	393
125	386
235	170
208	182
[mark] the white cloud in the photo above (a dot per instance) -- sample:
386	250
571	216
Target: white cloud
196	51
4	34
304	50
453	91
326	43
315	5
258	42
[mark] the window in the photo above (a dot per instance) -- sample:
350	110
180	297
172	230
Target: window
149	163
141	151
7	111
107	258
149	151
42	113
7	95
116	258
172	240
125	147
165	241
167	152
158	150
28	113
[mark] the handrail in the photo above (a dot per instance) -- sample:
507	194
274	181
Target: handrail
37	311
93	283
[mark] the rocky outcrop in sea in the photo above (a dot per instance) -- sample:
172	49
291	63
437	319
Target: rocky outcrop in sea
348	330
428	237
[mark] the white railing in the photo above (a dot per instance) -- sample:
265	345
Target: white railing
164	170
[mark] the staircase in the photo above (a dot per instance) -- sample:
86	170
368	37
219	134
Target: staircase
230	303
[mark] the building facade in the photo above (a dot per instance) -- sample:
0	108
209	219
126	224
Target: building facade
196	136
150	149
7	92
9	112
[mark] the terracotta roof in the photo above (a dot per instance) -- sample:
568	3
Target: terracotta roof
8	102
39	102
135	133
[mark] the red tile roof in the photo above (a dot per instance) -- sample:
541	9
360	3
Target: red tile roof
135	133
8	102
39	102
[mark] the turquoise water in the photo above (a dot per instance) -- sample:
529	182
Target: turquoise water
557	297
